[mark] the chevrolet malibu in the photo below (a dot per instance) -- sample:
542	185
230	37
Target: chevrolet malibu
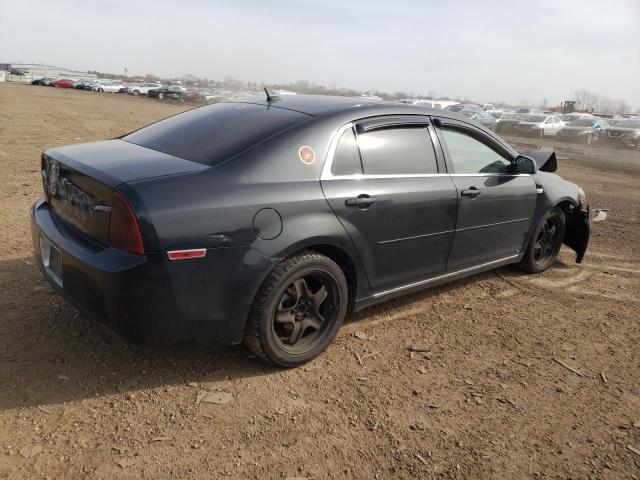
267	221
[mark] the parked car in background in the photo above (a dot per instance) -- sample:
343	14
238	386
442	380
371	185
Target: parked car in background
172	91
528	110
91	85
625	132
539	126
500	116
142	88
81	84
585	130
482	117
426	103
268	221
464	106
47	81
570	117
108	87
489	107
63	83
197	96
507	125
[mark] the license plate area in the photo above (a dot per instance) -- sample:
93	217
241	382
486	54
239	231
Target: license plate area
51	260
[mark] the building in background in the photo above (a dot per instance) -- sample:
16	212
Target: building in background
27	72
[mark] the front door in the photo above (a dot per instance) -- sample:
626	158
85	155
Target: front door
495	205
383	183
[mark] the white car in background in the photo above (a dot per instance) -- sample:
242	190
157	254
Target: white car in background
109	87
437	104
570	117
142	89
540	125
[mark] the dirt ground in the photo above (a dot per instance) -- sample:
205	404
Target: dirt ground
489	394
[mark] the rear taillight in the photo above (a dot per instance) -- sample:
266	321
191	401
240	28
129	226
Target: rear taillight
124	232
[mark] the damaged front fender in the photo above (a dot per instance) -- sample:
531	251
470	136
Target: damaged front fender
578	230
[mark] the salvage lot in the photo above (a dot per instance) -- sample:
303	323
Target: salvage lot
498	375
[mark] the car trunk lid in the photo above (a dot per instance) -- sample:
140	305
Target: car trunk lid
79	180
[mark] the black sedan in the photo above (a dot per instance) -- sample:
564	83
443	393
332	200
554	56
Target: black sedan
174	93
269	220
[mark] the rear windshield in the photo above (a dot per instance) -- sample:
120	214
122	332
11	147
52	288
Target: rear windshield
212	134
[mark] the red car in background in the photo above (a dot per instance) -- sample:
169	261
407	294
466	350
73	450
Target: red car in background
63	83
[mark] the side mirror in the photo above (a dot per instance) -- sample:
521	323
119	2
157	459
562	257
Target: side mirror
525	165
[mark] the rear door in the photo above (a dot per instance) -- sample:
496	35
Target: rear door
385	182
495	205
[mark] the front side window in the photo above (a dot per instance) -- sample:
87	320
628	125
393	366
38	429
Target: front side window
470	155
401	150
346	159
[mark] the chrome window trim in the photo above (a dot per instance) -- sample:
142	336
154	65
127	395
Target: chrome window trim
333	145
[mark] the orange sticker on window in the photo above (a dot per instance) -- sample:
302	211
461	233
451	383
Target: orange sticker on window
306	155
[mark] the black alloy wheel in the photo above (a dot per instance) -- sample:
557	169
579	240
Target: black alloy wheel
298	310
545	242
546	239
304	310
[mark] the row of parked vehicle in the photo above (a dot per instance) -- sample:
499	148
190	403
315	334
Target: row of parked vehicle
149	89
579	127
582	127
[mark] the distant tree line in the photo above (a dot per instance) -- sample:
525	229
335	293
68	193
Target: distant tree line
595	102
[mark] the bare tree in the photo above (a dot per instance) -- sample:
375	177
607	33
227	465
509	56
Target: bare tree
586	99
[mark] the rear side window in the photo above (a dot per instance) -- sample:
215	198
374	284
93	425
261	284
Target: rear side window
397	151
212	134
470	155
346	159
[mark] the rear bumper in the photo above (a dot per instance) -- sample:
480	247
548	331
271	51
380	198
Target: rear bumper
149	299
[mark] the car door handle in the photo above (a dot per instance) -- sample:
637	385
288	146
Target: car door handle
473	192
361	201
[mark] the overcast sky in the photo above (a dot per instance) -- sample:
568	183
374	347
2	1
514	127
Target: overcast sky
486	50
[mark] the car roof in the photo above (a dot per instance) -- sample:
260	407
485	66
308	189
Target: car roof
343	109
320	105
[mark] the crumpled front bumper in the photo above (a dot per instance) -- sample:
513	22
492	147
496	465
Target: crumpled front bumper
578	231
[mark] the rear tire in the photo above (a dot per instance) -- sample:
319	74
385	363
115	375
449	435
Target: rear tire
298	310
136	93
101	90
161	95
545	242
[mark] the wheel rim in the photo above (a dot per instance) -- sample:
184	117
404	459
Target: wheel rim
546	240
306	310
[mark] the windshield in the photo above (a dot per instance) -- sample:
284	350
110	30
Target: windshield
212	134
535	118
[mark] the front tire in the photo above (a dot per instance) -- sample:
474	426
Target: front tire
545	242
298	310
136	93
101	90
161	95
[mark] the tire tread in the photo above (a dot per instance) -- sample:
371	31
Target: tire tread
252	334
